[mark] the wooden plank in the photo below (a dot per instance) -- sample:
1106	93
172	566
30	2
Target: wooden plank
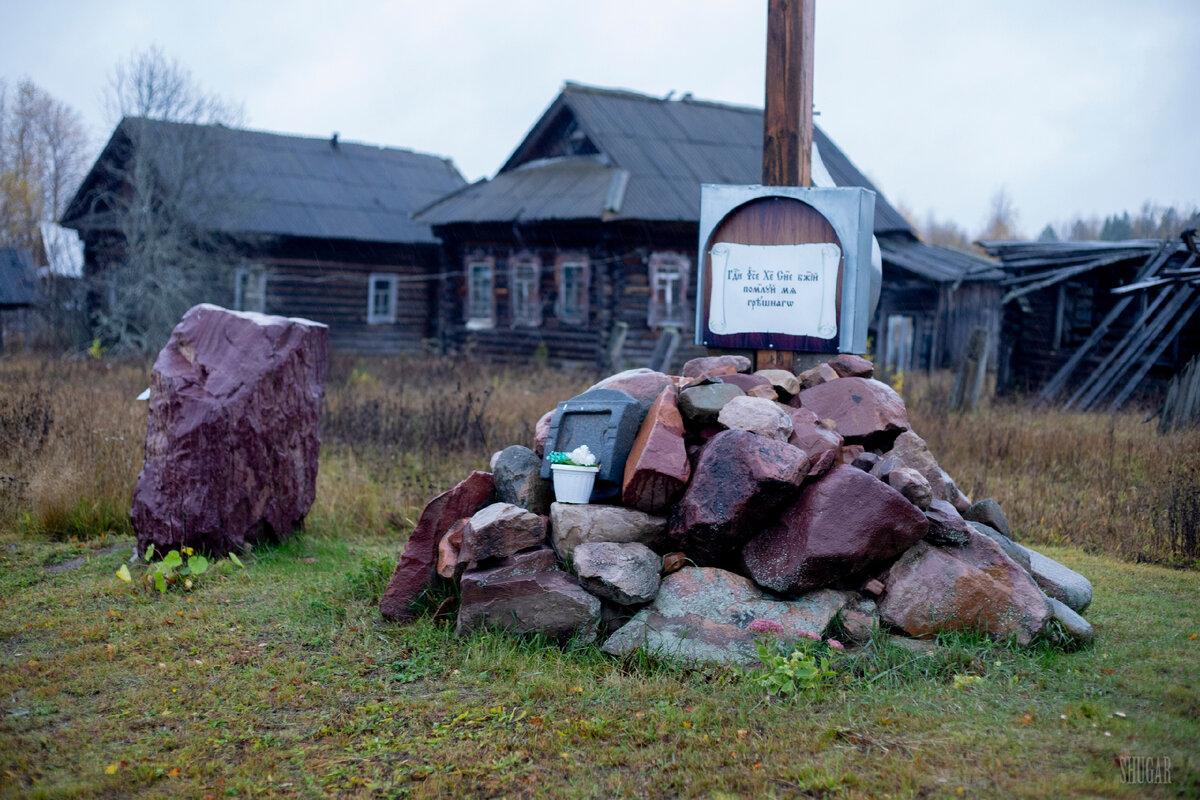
1157	351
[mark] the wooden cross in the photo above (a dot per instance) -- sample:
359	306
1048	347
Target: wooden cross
787	120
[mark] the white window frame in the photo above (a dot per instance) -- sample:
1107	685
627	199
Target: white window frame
668	276
381	298
475	268
573	311
524	290
250	289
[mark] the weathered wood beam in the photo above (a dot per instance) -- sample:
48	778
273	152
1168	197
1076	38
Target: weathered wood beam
1149	360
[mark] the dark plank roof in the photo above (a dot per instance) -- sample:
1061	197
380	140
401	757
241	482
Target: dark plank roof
939	264
272	184
17	277
667	147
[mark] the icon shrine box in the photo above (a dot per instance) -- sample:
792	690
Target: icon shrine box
785	268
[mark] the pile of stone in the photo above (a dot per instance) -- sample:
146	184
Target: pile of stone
794	498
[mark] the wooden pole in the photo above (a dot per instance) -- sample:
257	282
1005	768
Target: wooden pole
787	119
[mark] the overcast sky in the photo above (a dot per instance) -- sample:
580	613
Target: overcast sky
1074	107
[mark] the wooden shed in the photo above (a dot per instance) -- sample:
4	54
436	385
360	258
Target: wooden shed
1092	325
589	229
326	223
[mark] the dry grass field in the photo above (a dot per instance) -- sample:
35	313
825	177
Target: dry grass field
280	679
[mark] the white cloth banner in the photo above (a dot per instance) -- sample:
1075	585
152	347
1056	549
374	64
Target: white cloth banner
776	288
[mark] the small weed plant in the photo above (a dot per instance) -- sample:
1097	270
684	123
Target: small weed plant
175	569
792	665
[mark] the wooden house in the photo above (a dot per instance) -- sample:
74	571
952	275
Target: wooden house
325	224
1093	325
590	228
18	290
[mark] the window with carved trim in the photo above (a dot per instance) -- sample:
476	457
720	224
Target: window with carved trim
524	299
250	289
481	305
573	274
381	299
668	289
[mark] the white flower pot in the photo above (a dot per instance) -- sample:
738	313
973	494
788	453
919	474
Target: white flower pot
573	484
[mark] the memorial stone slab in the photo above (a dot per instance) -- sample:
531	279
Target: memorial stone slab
607	421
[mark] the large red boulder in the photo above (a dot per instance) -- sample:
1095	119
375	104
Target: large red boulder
741	480
233	432
842	524
416	570
657	468
866	411
972	587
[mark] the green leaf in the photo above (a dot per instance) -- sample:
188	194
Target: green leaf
233	557
149	554
198	564
172	560
123	574
160	582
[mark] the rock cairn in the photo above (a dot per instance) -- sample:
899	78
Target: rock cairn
793	498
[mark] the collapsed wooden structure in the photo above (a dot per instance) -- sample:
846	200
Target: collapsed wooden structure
1091	325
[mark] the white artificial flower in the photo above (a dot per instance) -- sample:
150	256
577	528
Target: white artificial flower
582	456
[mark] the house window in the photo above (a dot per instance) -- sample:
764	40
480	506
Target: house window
481	309
524	301
250	289
668	289
573	275
381	299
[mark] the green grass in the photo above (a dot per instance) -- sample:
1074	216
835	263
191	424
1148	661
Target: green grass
283	680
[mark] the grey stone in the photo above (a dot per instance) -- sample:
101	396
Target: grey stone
1075	626
912	484
1059	582
522	596
572	525
1012	549
757	415
702	614
499	531
988	512
626	573
701	405
946	525
517	473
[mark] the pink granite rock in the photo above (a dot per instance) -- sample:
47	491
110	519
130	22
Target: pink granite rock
541	432
449	565
657	468
757	415
912	484
821	373
847	365
417	567
910	450
972	587
841	525
501	530
866	411
823	446
232	433
527	593
644	385
784	381
715	365
740	481
753	385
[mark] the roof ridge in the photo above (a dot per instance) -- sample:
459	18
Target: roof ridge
687	97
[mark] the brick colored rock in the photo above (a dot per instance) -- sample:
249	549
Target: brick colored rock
910	450
541	432
232	432
972	587
821	373
752	385
644	385
415	571
866	411
757	415
501	530
841	525
673	562
449	564
657	468
523	595
1012	549
572	525
715	365
740	481
702	615
847	365
823	446
946	525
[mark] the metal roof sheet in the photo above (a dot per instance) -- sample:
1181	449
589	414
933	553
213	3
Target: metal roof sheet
268	183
